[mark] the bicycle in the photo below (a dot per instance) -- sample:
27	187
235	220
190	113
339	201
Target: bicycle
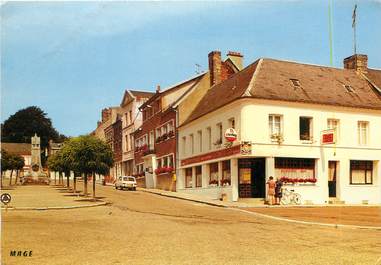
290	197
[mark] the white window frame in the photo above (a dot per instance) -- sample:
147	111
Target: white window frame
272	126
363	127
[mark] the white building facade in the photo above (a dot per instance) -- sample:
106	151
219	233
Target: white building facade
284	138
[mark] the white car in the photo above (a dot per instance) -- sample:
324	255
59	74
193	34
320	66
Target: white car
126	182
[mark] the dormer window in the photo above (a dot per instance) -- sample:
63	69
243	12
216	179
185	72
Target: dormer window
349	89
295	82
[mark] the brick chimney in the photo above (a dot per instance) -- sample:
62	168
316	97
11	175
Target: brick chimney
358	62
106	114
215	67
237	59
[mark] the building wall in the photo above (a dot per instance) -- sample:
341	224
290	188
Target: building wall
252	119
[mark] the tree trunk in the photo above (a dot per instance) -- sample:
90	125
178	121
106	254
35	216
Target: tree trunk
17	176
55	178
60	179
85	185
10	178
1	181
75	183
67	180
93	186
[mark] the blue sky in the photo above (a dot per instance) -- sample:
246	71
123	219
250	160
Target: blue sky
74	58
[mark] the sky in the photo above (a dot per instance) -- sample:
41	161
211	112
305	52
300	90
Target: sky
72	59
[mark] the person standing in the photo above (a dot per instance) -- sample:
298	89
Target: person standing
270	190
278	191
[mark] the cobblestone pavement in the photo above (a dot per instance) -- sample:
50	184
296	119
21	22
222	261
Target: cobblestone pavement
143	228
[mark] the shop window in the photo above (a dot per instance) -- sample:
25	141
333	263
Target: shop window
198	176
361	172
213	173
295	169
305	128
226	173
362	131
188	177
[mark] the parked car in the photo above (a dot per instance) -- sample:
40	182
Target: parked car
126	182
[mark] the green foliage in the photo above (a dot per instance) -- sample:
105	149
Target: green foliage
22	125
11	161
83	154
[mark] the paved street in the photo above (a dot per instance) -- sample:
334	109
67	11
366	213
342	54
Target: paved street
143	228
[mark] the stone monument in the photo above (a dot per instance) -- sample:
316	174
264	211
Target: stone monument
36	174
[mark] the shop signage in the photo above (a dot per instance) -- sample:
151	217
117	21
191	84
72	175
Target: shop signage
328	136
230	135
245	148
212	155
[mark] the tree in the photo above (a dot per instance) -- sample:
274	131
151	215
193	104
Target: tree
15	163
5	164
22	125
90	156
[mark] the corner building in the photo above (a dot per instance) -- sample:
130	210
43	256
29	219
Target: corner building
316	127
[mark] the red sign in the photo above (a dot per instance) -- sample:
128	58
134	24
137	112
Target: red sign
230	135
328	137
212	155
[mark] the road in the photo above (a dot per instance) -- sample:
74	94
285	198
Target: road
143	228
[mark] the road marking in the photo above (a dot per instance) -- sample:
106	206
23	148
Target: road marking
306	222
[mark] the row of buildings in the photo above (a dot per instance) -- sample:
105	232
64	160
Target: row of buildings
227	130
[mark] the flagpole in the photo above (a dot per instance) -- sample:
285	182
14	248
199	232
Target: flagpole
330	33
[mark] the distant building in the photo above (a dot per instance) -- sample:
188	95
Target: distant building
156	139
131	119
22	149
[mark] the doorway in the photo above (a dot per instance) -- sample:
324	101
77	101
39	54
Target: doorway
332	175
252	182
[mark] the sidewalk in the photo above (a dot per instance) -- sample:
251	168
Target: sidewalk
349	216
243	203
35	197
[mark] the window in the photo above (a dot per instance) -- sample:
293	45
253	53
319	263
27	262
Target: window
131	141
295	82
209	137
219	134
188	177
232	123
191	143
226	174
198	176
213	173
333	124
275	125
362	130
127	142
184	145
295	168
130	115
349	88
199	137
305	128
361	172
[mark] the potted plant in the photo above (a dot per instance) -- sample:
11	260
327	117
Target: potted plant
213	182
170	134
225	182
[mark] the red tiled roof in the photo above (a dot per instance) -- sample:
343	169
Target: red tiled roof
271	80
17	148
375	76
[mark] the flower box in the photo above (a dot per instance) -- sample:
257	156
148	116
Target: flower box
298	180
225	182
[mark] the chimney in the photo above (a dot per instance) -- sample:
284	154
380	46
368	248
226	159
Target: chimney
158	89
237	59
358	62
215	67
106	114
99	123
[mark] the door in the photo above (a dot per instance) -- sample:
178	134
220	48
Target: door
252	178
258	183
332	174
